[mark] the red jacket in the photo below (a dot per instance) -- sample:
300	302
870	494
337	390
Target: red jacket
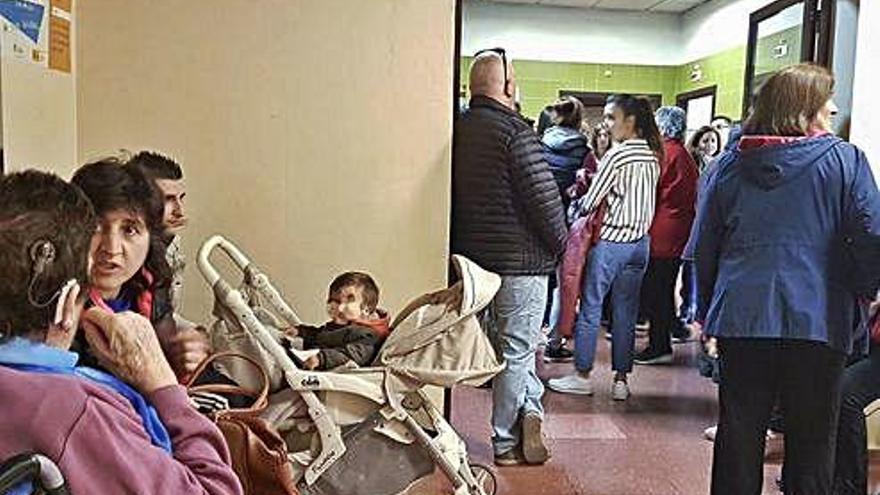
582	235
676	197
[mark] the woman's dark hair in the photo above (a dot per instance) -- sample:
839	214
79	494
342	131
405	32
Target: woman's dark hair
569	112
38	208
645	126
789	101
111	186
594	139
694	143
545	121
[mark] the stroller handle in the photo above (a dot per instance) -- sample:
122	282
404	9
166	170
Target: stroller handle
208	271
253	277
36	467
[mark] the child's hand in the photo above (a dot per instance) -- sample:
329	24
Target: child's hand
290	331
312	362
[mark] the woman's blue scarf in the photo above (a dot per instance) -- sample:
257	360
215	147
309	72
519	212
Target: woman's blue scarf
22	354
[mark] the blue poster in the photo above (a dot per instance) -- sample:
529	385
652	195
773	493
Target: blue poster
26	16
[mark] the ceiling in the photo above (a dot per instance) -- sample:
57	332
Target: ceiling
673	6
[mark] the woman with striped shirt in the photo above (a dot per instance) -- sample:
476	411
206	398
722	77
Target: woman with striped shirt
627	183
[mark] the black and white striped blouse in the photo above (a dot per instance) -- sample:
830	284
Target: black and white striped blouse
627	179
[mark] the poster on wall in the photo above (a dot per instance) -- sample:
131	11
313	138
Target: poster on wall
23	15
24	31
59	35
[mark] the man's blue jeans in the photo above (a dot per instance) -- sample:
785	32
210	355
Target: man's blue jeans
617	268
515	318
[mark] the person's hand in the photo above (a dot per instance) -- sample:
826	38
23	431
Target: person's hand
126	344
187	350
712	347
311	362
290	331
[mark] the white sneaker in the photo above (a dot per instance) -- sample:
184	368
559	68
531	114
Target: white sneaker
571	384
619	390
710	433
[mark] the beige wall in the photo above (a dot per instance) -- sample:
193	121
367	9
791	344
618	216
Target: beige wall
38	112
866	105
316	134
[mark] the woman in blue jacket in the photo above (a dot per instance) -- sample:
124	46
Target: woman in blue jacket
768	259
564	145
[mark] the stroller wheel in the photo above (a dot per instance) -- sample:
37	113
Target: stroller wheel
485	479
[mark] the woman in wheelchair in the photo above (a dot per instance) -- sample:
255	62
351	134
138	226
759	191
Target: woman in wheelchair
131	430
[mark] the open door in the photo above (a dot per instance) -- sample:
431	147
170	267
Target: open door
699	106
784	33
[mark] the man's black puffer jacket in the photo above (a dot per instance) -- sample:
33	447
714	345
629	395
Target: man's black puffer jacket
507	212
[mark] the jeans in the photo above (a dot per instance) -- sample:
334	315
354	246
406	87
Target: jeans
617	268
658	302
515	317
805	378
861	386
554	340
688	310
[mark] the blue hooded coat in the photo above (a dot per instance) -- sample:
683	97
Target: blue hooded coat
564	151
768	240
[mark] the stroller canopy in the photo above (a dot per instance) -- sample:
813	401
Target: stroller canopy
433	344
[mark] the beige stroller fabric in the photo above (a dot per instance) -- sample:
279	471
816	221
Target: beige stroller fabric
228	335
430	343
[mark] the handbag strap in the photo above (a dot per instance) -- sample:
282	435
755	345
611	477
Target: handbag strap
260	398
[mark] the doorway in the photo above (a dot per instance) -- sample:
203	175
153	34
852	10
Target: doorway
784	33
699	106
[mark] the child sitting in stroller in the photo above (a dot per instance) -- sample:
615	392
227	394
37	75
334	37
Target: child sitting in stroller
356	328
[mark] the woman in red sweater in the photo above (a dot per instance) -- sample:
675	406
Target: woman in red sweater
676	195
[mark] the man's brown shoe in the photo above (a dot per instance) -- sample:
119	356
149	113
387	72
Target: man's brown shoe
512	457
533	448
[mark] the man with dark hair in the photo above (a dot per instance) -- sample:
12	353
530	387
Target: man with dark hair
508	218
132	431
167	176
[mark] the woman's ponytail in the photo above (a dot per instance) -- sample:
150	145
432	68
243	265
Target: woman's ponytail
646	126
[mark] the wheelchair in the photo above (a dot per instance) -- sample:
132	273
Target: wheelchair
27	474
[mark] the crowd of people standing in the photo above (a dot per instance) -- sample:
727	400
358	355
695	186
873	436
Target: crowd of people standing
749	216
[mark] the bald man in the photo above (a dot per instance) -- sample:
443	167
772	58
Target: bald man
507	216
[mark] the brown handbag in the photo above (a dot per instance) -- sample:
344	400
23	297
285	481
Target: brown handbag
259	454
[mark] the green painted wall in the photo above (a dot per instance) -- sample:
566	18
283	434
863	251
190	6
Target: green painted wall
766	62
540	82
726	70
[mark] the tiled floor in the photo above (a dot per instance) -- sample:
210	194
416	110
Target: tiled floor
651	444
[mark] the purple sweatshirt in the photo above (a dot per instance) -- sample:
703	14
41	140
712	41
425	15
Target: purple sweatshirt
99	441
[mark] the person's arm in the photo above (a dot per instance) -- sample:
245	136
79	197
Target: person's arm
863	203
358	345
708	234
601	185
107	451
702	185
536	190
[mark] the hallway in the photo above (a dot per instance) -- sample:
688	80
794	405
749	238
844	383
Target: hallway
651	444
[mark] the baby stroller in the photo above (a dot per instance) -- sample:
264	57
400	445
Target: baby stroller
363	431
